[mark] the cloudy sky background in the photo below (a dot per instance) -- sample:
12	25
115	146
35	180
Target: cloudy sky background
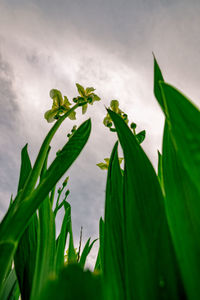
105	44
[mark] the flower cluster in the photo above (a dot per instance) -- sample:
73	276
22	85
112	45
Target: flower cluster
61	104
87	96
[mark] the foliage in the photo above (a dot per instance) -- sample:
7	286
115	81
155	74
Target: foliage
149	237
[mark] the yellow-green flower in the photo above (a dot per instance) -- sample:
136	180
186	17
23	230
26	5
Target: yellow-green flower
86	96
105	165
59	107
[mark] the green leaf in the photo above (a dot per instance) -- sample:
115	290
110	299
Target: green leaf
25	256
72	257
184	124
20	212
146	233
182	208
160	172
61	241
86	251
158	77
11	288
114	266
25	168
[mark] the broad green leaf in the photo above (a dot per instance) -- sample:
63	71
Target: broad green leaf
114	266
73	283
184	124
86	251
182	208
18	215
145	223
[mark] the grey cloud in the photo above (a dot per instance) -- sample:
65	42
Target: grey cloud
9	128
8	100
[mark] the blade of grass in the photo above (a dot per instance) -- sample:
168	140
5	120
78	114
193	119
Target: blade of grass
72	257
61	241
86	251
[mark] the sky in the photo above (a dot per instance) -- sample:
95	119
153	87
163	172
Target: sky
106	44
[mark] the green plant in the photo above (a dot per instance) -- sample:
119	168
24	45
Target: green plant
149	237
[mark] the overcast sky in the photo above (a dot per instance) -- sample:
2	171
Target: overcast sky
107	44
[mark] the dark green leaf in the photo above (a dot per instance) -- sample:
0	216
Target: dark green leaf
182	207
158	77
114	266
184	124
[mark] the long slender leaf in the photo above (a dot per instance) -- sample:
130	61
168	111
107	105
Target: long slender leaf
86	251
25	256
19	214
114	256
61	241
